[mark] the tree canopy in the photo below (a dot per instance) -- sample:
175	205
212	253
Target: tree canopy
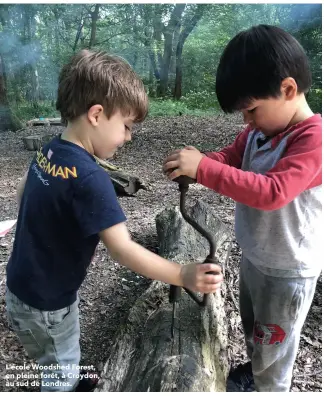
175	48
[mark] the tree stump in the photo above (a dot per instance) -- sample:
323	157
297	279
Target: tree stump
144	357
35	142
32	143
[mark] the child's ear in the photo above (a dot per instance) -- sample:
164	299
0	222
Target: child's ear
289	88
94	113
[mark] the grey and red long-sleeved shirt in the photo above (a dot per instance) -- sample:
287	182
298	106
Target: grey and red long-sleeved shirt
277	184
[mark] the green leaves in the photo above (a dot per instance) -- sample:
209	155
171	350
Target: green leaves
138	32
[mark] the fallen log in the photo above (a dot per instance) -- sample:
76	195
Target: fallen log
44	121
124	182
144	356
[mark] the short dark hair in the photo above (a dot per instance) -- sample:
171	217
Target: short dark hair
255	62
95	77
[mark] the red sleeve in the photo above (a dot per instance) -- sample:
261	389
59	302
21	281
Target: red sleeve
299	169
233	154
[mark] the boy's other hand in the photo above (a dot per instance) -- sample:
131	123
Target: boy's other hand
196	278
135	257
183	162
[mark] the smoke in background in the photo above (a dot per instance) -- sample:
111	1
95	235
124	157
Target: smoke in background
36	39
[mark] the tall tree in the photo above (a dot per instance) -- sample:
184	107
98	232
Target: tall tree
7	120
29	12
173	47
94	18
168	33
187	29
304	21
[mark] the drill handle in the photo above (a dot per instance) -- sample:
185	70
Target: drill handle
174	294
211	260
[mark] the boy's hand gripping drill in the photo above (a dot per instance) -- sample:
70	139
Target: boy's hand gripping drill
175	291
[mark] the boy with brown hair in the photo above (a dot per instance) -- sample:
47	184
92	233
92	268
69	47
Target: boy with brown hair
273	170
67	204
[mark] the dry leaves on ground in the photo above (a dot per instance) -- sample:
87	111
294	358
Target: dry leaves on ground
109	289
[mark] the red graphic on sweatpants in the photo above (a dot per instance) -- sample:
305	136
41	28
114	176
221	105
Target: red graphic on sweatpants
268	334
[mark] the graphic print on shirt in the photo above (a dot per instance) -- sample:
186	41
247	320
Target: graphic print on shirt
268	334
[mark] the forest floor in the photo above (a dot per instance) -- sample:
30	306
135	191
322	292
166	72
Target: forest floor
110	289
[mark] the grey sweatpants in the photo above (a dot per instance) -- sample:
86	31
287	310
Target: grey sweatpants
273	311
52	339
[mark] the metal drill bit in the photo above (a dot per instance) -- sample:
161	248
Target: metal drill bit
173	317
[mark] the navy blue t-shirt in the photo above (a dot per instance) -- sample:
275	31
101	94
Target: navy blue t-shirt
68	199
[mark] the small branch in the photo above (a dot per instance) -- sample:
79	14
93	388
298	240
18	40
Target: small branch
304	382
234	300
315	373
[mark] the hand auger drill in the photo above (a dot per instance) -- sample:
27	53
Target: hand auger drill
175	291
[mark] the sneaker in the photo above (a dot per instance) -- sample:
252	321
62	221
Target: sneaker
87	384
241	379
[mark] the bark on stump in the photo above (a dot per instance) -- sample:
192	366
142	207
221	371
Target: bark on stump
144	357
35	142
32	143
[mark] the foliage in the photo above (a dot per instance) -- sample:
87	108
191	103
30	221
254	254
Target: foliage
314	99
169	107
37	39
24	111
157	107
202	100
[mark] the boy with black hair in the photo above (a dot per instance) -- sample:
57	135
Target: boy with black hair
67	203
273	171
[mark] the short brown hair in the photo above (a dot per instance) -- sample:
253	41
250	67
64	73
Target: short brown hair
95	77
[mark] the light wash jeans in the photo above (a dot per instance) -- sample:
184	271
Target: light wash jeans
273	311
51	338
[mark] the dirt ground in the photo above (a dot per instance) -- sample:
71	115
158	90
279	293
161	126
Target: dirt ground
109	289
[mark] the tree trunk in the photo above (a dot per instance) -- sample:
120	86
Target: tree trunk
154	66
176	36
182	38
78	35
94	18
178	77
35	84
135	59
151	85
168	32
144	357
155	47
6	118
30	68
33	65
56	35
154	71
